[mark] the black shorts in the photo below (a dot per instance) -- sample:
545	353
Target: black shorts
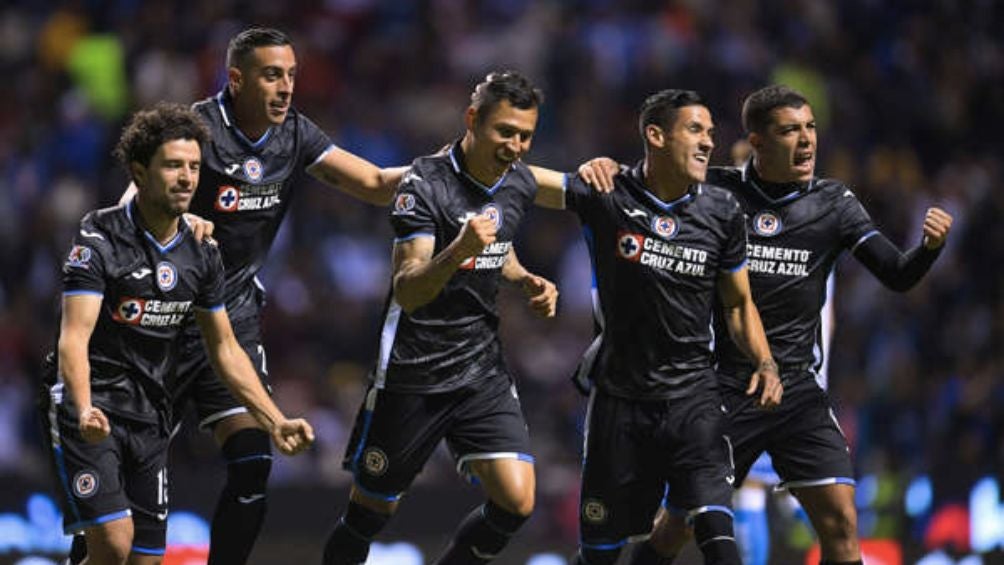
123	475
196	383
801	435
396	432
634	449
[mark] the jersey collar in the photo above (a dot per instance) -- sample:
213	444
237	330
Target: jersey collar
460	167
225	103
638	174
132	214
788	191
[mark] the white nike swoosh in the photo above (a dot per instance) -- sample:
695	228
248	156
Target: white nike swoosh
848	193
93	234
231	169
410	177
162	516
250	499
635	213
138	274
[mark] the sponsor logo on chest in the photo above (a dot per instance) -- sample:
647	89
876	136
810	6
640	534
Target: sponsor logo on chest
774	260
241	198
662	255
150	313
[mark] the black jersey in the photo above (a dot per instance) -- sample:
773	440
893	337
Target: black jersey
656	266
794	241
453	340
245	186
149	292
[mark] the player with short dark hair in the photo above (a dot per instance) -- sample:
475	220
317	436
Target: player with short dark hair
440	373
798	225
133	278
260	151
663	245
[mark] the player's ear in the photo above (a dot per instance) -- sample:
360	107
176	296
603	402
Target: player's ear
234	79
755	140
655	136
138	173
471	118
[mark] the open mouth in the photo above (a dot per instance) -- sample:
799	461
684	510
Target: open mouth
803	158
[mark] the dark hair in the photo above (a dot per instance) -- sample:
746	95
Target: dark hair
149	129
660	108
758	106
505	85
248	40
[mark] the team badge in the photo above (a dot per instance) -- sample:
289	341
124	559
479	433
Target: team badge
167	276
375	461
79	256
494	214
629	246
253	169
665	226
767	224
129	311
85	484
404	203
594	511
227	198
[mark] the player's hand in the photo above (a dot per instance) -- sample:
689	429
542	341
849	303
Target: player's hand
543	295
292	436
768	381
937	224
200	226
599	173
478	232
94	425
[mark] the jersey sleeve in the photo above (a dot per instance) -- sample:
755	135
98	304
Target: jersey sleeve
411	215
84	268
315	142
855	224
734	250
211	290
582	198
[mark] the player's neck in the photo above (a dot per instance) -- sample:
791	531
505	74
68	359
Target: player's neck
486	173
664	181
163	227
249	120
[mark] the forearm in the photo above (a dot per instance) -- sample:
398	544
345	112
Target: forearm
896	270
746	330
417	283
513	271
550	188
358	177
234	367
75	369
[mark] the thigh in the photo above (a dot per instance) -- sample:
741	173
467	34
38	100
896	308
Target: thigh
699	458
90	489
510	483
394	435
621	482
488	424
748	428
810	449
145	478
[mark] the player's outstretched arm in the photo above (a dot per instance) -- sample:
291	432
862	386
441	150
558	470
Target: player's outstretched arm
746	331
901	271
542	294
551	184
232	364
201	227
419	276
358	177
80	315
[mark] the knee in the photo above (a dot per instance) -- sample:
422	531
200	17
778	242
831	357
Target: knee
840	524
521	504
249	460
110	547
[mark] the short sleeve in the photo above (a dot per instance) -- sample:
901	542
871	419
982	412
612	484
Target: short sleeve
855	224
411	215
734	250
211	290
315	142
84	267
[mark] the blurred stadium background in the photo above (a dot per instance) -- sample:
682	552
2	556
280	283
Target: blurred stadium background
910	101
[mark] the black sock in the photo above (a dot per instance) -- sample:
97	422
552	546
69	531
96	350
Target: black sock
715	538
349	542
78	551
240	510
482	535
645	554
587	556
825	562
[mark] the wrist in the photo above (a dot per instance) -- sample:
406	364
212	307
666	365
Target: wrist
767	364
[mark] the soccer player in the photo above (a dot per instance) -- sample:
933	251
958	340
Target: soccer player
253	165
663	245
440	372
132	279
798	225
